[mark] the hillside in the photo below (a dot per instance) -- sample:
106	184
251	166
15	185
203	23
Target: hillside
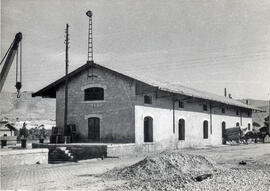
257	103
26	108
258	117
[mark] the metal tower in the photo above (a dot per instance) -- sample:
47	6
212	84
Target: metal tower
90	57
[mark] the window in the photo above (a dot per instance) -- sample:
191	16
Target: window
92	94
181	104
205	129
181	129
205	107
237	124
249	114
223	110
237	112
148	129
148	99
248	126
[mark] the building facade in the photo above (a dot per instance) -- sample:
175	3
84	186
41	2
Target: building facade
116	107
7	129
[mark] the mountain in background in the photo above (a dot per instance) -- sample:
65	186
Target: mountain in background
258	117
256	103
26	108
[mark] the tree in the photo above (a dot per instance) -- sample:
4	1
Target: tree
266	122
23	133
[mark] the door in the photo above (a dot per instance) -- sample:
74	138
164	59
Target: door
181	129
148	129
223	131
94	129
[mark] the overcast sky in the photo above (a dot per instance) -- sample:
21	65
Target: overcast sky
206	45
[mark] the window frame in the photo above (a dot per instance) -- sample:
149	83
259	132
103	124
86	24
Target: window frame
205	107
181	104
95	96
223	110
148	99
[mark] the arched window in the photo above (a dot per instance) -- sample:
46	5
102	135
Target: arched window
237	124
205	129
223	132
92	94
248	126
181	129
148	129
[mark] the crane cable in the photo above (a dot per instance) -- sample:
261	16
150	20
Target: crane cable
18	84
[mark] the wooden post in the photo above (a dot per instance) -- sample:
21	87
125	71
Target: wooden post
66	84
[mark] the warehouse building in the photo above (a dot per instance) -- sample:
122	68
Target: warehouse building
117	107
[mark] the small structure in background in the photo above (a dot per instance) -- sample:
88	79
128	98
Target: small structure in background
8	133
7	129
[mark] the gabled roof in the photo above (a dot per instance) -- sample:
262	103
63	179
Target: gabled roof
50	90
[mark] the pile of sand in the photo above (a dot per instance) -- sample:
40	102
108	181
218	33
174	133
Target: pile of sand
166	168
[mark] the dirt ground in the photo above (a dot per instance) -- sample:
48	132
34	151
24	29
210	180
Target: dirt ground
85	175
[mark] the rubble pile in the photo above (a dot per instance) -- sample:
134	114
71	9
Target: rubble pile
168	169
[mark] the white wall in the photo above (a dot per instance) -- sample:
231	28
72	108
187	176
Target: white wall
194	116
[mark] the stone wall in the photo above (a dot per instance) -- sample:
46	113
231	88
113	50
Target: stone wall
78	151
10	158
116	111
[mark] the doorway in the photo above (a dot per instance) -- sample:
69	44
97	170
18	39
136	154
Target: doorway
94	129
148	129
223	131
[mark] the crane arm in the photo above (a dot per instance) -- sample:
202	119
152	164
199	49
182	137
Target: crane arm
10	57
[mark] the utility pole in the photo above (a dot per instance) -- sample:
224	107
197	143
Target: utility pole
269	114
66	85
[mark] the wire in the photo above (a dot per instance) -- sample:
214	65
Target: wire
17	57
21	61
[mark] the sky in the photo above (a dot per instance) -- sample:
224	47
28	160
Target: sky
203	44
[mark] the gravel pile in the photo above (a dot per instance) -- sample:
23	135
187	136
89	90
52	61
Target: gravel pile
166	171
234	179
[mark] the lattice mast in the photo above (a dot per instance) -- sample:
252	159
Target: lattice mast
90	55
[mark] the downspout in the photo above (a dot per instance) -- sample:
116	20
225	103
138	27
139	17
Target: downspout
173	115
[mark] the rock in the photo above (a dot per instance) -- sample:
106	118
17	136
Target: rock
203	177
242	162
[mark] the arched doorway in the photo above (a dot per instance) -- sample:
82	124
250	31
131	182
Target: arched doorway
181	129
94	129
205	129
148	129
223	131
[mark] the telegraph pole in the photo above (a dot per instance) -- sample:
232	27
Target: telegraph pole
66	85
269	114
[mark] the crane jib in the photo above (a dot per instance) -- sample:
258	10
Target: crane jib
10	55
